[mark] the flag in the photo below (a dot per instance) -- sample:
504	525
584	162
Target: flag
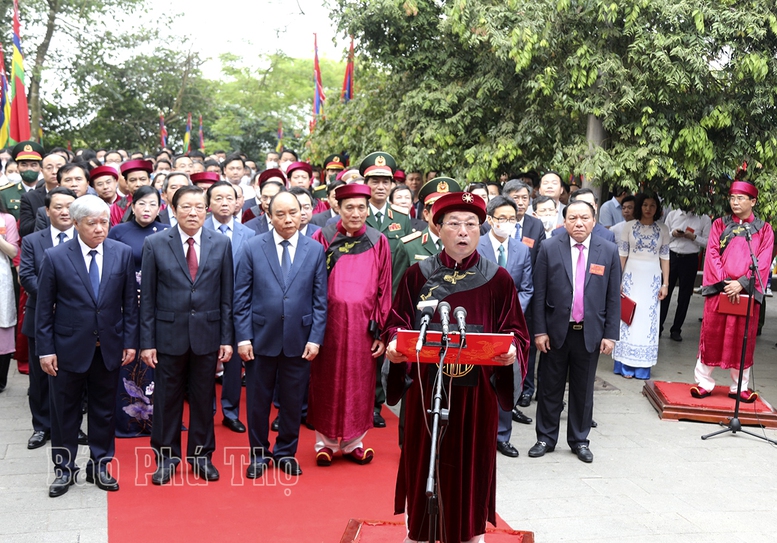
202	137
40	132
319	98
347	92
20	113
5	103
187	138
162	132
279	147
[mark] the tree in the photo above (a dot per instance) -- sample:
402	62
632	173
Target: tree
685	89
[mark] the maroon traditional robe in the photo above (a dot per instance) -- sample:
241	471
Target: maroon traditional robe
342	377
467	452
728	257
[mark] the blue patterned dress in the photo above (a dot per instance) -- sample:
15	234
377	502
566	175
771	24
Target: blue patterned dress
644	246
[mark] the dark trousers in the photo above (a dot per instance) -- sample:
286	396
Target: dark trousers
571	359
173	374
39	392
682	270
529	386
66	392
232	386
291	374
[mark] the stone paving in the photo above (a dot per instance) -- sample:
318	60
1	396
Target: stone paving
651	481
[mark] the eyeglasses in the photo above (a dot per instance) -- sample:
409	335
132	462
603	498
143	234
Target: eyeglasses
455	226
738	198
502	220
187	208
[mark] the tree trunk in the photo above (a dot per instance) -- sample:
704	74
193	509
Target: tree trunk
37	69
596	137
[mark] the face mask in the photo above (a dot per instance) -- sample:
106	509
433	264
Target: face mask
548	222
101	160
505	230
271	164
14	178
284	166
29	176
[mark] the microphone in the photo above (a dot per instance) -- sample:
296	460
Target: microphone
460	314
445	319
748	234
425	320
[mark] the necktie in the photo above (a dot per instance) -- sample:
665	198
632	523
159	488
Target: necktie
191	259
223	228
578	309
94	274
502	258
379	218
285	261
62	238
518	231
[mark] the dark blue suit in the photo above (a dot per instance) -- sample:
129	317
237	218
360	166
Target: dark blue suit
88	334
519	267
573	351
279	318
231	386
185	321
259	224
33	248
598	230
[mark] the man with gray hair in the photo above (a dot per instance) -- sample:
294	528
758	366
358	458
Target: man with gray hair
86	327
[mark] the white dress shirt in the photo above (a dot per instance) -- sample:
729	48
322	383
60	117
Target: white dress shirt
293	241
230	226
70	232
88	259
681	220
197	239
495	243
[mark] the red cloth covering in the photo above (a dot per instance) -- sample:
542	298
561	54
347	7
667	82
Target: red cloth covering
467	452
721	335
119	208
342	378
321	205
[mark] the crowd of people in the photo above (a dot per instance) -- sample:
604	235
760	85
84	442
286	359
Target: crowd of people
133	284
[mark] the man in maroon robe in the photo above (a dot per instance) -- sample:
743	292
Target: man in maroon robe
466	475
342	381
726	271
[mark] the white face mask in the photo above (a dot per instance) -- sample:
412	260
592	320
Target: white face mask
271	164
548	222
285	165
14	178
505	230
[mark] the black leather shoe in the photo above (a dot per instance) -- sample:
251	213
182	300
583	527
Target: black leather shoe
83	439
204	469
584	453
594	424
61	485
675	336
378	421
290	465
38	439
234	425
518	416
104	481
507	449
163	474
524	400
274	425
539	449
257	469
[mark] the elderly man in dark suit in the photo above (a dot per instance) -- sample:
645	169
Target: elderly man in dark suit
186	328
86	326
280	318
33	248
576	317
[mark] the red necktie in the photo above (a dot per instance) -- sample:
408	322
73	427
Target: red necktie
578	309
191	258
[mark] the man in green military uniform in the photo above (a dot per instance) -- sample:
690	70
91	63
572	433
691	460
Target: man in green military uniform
421	245
28	155
378	171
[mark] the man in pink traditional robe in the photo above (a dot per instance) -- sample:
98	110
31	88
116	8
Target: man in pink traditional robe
726	270
342	380
466	476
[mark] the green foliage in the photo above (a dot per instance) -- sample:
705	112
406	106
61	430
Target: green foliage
685	90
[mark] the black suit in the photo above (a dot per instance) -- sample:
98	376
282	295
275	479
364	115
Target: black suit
573	351
319	219
185	321
28	209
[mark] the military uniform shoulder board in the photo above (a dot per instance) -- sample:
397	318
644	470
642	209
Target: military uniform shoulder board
420	257
398	210
8	186
320	188
425	238
390	214
410	237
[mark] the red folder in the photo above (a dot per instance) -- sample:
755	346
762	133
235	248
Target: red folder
480	349
727	308
628	307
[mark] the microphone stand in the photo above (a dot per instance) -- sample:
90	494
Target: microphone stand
734	425
439	417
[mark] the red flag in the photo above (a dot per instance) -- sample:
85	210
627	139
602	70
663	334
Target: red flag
347	92
162	132
20	112
202	136
318	98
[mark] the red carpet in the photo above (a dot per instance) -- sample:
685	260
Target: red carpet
674	401
393	532
316	507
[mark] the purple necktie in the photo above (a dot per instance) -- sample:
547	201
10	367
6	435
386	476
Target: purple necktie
578	309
